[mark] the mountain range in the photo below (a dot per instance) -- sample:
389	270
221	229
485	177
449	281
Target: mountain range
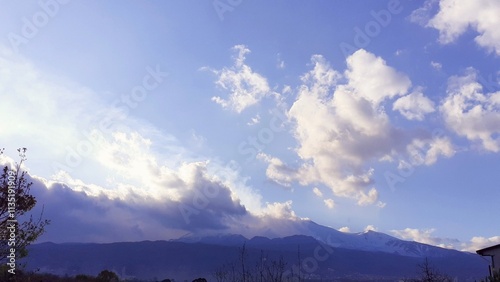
317	252
364	241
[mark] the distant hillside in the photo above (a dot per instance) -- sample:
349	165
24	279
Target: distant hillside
365	241
201	257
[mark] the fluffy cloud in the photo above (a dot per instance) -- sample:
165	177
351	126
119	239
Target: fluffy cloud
455	17
414	106
345	229
477	243
370	228
423	14
146	199
317	192
471	113
427	151
202	204
137	212
437	66
280	63
246	87
279	210
255	120
425	236
329	203
370	78
340	127
278	171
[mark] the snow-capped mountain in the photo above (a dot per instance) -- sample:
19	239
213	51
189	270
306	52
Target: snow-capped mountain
364	241
373	241
335	255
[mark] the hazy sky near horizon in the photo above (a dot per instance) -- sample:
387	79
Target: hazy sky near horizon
152	119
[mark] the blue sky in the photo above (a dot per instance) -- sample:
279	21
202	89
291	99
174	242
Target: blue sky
148	120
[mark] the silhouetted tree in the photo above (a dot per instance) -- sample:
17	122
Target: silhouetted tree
494	278
200	280
107	276
221	274
243	257
17	231
266	269
275	270
83	277
429	274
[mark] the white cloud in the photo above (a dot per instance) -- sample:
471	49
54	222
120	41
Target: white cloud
455	17
255	120
426	236
399	52
278	171
428	151
414	106
340	128
280	63
471	113
417	235
422	15
371	78
279	210
368	198
477	243
287	89
437	66
345	229
317	192
202	202
329	203
194	199
229	175
88	212
246	87
370	228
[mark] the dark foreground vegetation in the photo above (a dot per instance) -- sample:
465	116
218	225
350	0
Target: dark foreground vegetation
109	276
266	271
22	276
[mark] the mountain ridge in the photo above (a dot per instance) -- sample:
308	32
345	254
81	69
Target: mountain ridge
319	252
366	241
181	260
